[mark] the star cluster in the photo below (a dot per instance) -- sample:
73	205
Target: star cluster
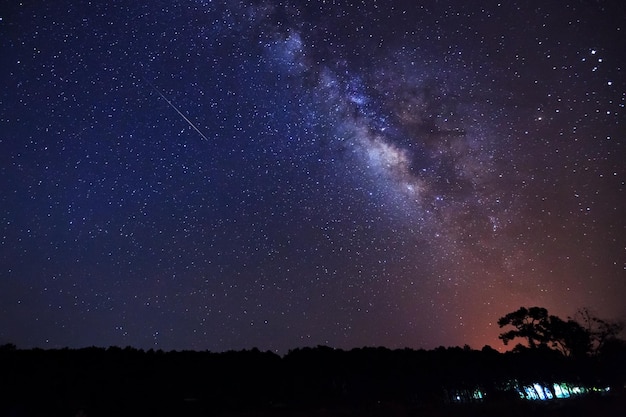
224	175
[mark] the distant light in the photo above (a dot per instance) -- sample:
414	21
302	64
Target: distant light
540	391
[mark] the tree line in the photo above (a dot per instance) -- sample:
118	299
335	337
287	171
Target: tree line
129	381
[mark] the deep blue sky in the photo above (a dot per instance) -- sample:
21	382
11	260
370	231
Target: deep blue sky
230	174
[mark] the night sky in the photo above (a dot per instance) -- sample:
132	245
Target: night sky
234	174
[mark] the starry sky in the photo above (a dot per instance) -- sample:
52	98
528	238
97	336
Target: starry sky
234	174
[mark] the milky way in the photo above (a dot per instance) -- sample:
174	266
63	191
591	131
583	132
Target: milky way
225	175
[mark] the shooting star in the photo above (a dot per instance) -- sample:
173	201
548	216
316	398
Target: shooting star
177	111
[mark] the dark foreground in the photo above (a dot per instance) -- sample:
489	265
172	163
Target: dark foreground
609	406
593	406
368	382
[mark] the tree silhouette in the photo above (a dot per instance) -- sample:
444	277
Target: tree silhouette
568	337
541	329
601	332
531	324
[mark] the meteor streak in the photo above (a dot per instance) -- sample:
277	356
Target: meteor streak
177	111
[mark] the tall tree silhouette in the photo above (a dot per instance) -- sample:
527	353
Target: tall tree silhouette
531	324
568	337
573	338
